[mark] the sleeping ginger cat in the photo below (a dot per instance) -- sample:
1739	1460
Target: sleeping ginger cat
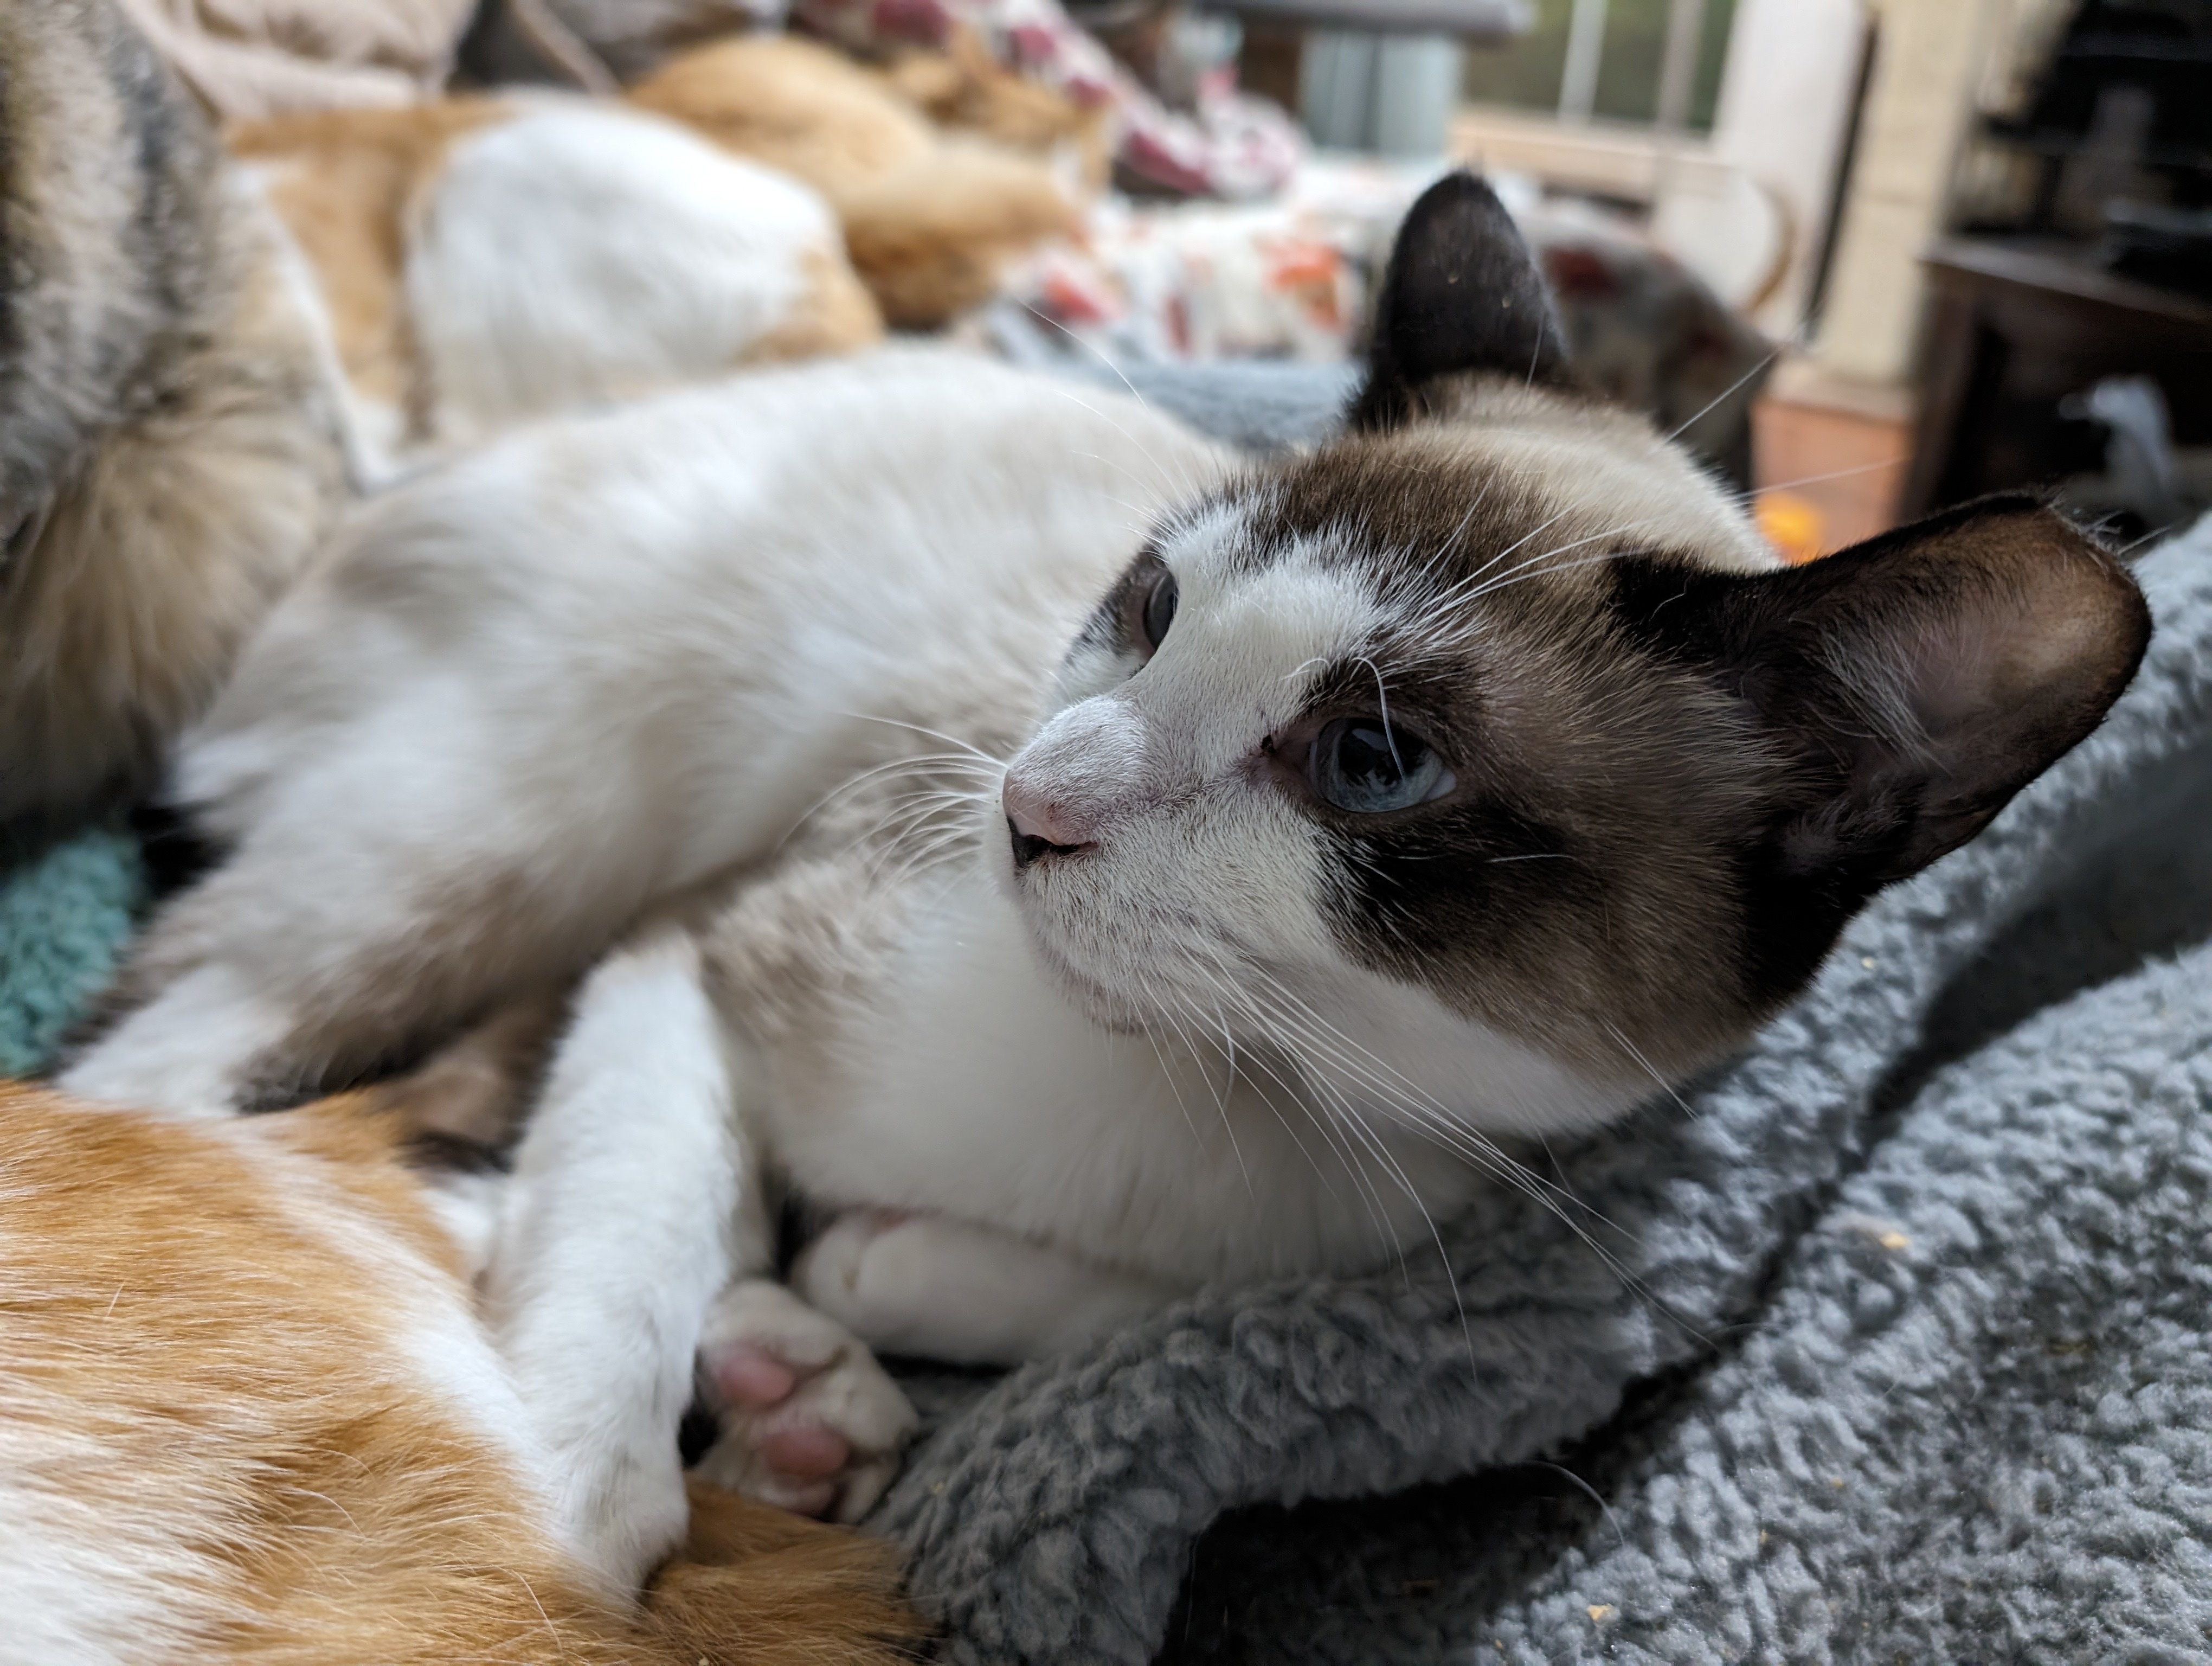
249	1413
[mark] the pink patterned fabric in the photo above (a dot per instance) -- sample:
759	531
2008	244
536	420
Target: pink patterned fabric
1233	146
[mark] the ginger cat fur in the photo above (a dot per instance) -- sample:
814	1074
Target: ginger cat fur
217	1442
930	216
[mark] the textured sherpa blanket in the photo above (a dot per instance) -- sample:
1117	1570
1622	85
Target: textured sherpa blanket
1896	1348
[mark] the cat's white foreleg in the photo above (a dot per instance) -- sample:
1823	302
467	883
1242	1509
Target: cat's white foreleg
929	1285
631	1203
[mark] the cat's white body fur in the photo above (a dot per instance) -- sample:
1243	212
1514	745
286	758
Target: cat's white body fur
620	660
578	253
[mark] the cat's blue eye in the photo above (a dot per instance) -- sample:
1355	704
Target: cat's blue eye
1357	766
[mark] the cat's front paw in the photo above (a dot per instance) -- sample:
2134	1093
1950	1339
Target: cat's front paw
810	1420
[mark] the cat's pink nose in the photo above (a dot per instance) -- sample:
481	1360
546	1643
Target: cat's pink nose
1039	826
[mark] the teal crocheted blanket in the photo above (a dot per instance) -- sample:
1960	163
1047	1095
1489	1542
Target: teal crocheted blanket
66	908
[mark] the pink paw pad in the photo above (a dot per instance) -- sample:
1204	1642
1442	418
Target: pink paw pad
752	1376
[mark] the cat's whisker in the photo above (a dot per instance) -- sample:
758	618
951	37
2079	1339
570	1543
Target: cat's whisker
1350	1116
1229	991
1445	548
1534	565
950	762
914	813
1421	1113
1436	1121
1091	348
1519	543
1167	1072
967	747
1221	1107
1180	484
1284	1037
1259	1090
947	843
1728	392
1382	700
1644	1064
1507	580
1744	499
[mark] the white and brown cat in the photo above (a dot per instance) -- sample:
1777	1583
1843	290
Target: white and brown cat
1118	867
253	1408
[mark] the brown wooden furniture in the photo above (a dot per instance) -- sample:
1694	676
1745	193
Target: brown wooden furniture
2013	328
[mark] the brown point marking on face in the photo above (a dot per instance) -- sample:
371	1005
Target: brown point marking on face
1675	785
1578	876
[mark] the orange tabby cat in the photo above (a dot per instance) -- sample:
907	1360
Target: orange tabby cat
248	1414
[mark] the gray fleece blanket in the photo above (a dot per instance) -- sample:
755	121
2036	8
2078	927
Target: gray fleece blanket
1896	1348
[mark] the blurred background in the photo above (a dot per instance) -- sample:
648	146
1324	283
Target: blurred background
1978	232
1870	256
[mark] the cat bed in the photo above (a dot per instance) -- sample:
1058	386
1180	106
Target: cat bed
1889	1341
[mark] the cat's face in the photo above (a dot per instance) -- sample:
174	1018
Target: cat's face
1489	747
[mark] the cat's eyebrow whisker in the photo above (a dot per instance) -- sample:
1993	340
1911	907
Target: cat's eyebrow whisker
1797	337
1518	542
1382	700
1179	481
1536	562
1143	523
1743	499
1091	348
1464	520
1728	392
1507	580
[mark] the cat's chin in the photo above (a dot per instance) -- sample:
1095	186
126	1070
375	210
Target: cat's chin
1103	1007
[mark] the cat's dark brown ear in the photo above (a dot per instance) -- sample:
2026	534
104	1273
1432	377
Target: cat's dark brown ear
1462	292
1912	685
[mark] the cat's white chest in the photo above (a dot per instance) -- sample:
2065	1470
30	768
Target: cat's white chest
979	1091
